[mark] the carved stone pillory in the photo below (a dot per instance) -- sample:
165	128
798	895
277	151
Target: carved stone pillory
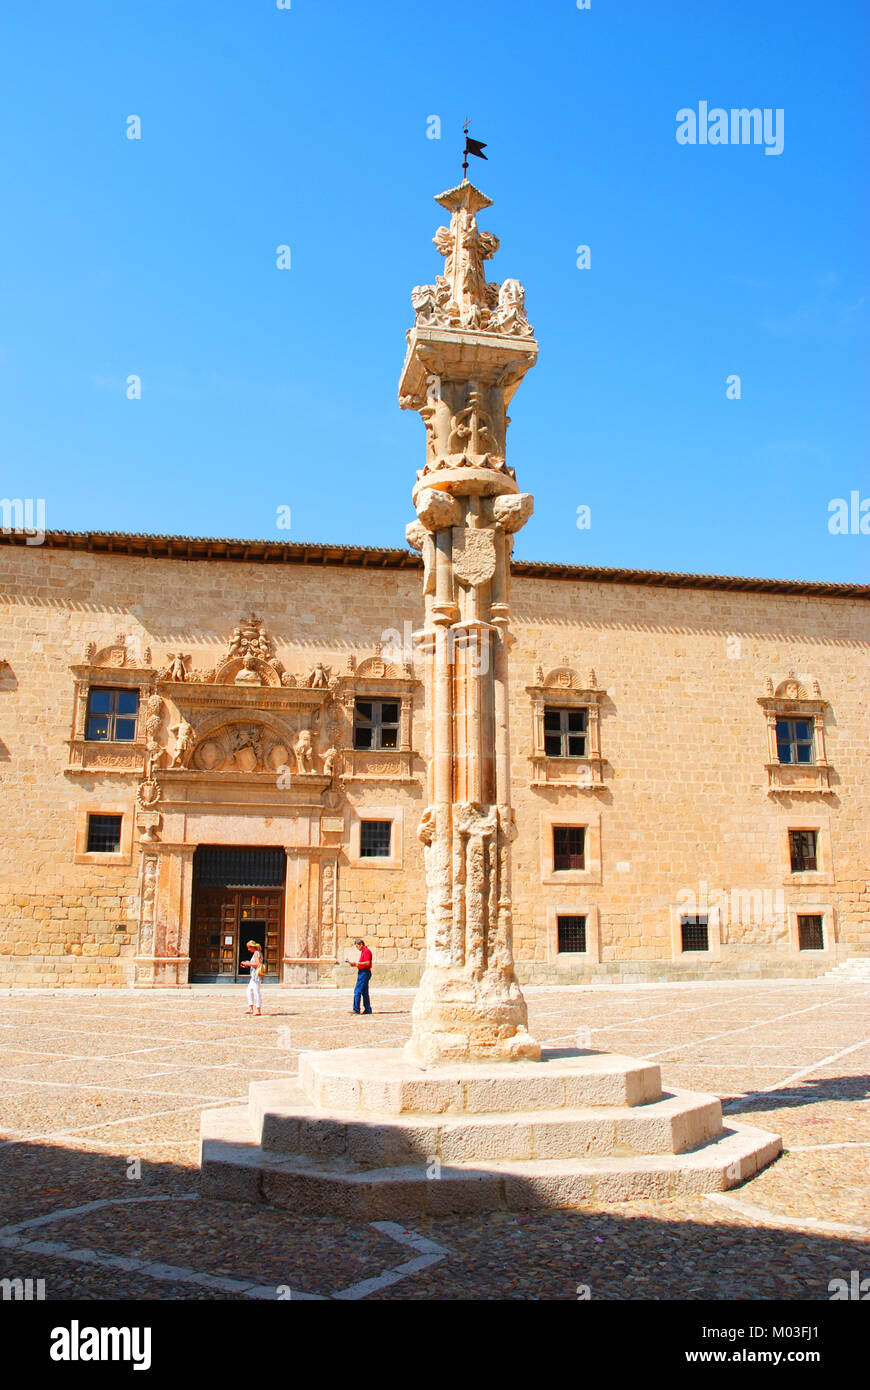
467	354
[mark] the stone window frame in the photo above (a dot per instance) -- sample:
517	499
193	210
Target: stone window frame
590	820
825	910
713	914
124	855
790	700
574	908
563	688
393	813
109	668
823	874
378	680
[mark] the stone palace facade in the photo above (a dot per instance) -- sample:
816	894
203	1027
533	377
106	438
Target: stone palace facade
204	742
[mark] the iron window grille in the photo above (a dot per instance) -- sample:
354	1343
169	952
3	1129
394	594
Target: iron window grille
376	724
104	834
565	732
569	843
694	932
802	846
794	740
811	936
228	866
572	934
111	716
374	839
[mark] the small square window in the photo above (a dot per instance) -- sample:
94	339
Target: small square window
104	834
376	724
111	716
811	936
794	740
374	839
565	732
803	851
569	842
694	933
572	934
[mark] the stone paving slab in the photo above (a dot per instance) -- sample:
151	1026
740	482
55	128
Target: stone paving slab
657	1248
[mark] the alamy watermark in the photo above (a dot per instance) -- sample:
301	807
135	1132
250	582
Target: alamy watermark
24	517
739	126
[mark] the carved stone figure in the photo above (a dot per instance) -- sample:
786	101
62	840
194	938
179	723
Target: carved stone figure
319	678
177	668
185	738
330	762
248	674
303	749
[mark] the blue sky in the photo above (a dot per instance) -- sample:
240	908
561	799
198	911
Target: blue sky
264	388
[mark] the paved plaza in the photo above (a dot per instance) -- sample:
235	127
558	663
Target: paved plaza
100	1115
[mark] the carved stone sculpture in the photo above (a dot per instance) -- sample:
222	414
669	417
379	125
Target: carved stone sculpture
303	750
185	738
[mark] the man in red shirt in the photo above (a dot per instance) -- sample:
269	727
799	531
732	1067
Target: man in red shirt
363	975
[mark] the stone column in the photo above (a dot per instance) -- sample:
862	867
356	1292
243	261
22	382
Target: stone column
467	353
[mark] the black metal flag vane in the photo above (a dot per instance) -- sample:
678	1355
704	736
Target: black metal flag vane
475	147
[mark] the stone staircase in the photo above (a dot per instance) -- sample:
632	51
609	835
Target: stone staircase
364	1134
852	968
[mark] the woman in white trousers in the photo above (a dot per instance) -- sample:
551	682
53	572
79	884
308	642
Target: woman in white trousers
254	996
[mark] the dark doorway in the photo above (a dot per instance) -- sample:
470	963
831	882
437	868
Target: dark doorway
238	896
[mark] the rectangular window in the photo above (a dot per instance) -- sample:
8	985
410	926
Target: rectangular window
111	716
104	834
811	937
572	933
802	845
374	839
565	732
794	740
694	933
568	846
376	724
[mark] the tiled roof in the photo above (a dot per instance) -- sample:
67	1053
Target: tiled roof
378	557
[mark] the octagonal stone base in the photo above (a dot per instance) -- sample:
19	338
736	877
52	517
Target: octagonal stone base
365	1134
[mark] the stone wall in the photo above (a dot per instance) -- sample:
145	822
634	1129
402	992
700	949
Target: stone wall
682	808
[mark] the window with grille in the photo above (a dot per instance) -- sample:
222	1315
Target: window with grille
802	846
794	740
565	732
694	932
376	724
811	936
374	839
111	716
572	933
234	866
569	846
104	834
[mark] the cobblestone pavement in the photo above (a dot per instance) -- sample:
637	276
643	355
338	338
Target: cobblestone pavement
99	1121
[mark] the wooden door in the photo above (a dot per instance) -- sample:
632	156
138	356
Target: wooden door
224	919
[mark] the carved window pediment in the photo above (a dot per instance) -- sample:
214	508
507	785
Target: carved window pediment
566	692
121	665
380	681
795	716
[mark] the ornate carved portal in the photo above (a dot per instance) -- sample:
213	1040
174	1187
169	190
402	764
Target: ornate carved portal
467	353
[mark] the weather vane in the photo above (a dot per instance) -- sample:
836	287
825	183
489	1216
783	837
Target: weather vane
475	147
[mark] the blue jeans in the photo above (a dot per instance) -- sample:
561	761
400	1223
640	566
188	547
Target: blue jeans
361	993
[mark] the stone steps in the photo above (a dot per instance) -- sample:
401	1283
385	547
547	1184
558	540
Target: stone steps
286	1121
852	968
365	1133
347	1080
236	1168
